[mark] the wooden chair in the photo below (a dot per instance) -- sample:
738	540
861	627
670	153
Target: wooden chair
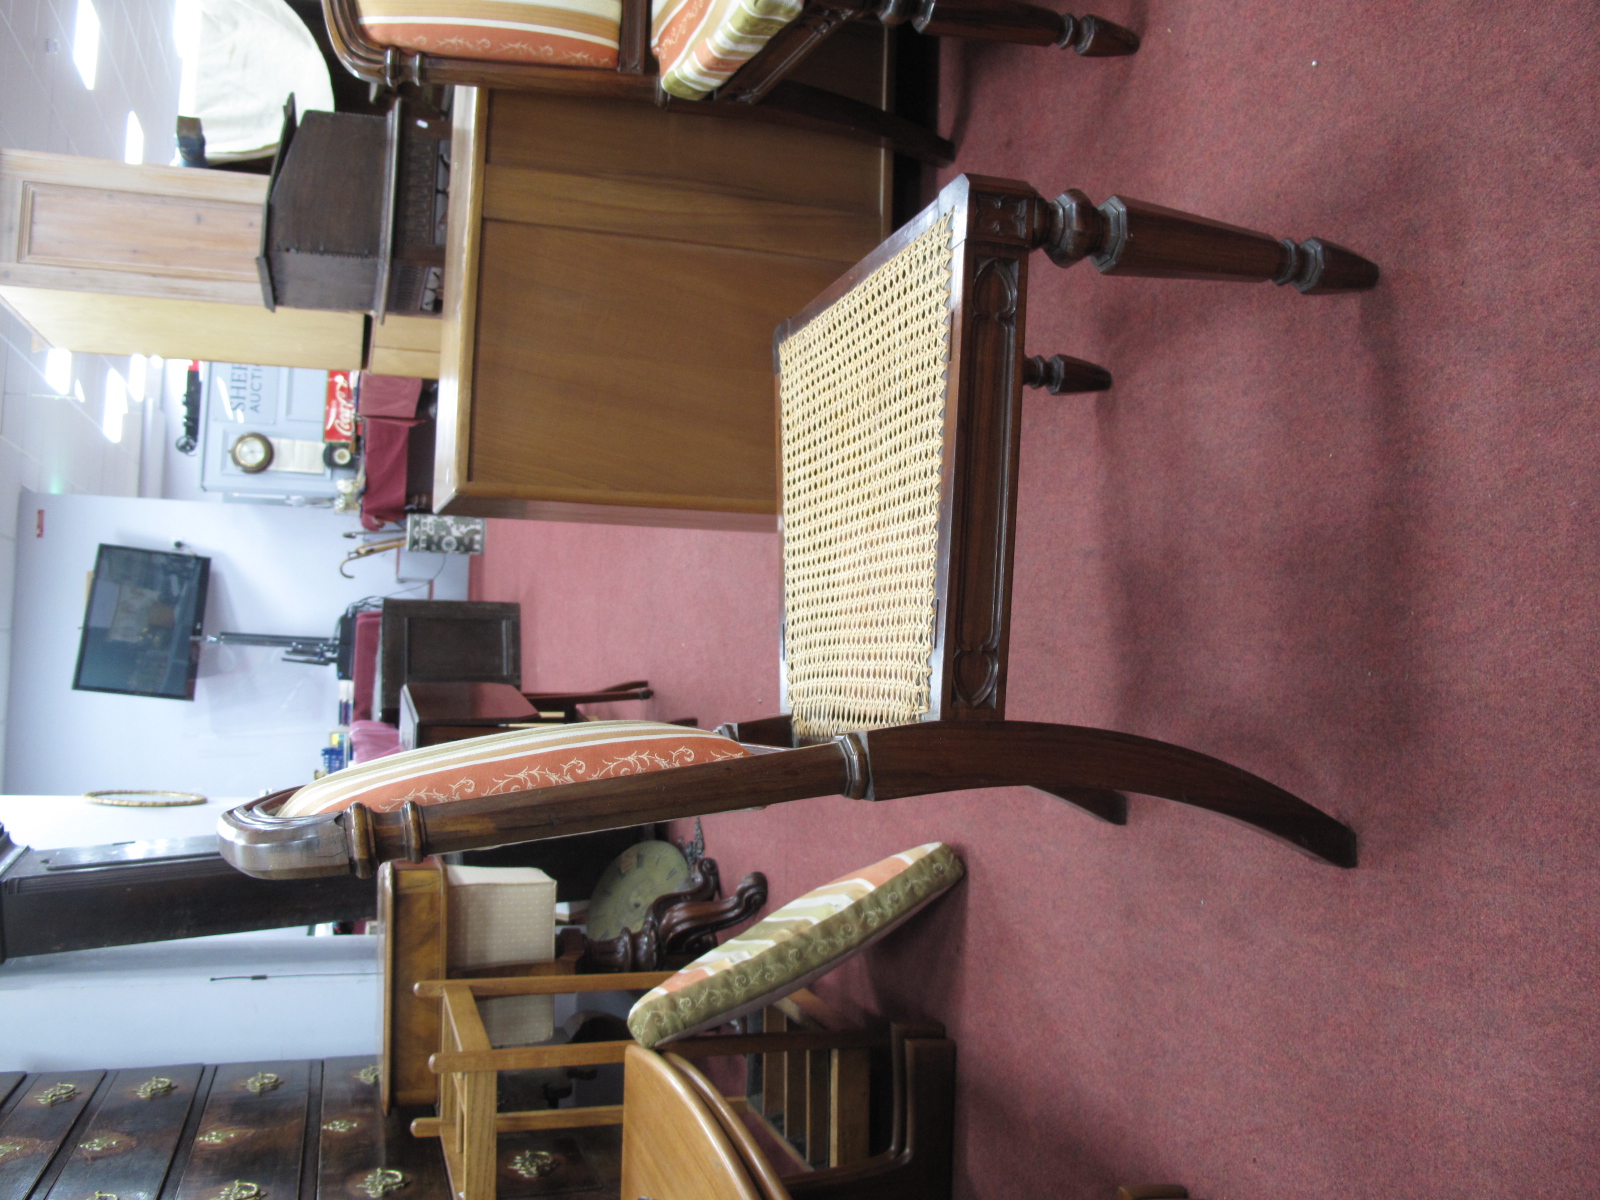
414	915
758	87
916	706
827	1060
682	1140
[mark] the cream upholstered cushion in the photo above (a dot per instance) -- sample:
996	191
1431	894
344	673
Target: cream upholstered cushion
499	915
701	43
512	762
787	950
566	33
496	916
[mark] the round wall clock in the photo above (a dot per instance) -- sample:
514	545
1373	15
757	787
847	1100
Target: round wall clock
631	884
252	453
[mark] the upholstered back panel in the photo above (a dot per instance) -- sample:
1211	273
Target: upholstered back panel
568	33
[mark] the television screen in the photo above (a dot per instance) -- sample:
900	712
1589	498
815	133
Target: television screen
142	628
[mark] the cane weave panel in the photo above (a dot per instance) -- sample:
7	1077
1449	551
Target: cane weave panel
862	396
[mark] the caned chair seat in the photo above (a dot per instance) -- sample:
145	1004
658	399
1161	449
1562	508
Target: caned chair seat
863	397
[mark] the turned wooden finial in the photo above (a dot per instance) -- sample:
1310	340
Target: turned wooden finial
1061	374
1073	229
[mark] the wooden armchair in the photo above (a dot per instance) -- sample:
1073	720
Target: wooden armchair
414	914
683	1140
723	86
798	1039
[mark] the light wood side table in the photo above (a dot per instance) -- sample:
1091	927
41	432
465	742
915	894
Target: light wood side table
613	276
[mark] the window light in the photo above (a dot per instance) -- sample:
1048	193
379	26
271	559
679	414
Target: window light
137	374
116	407
58	371
133	141
186	40
86	42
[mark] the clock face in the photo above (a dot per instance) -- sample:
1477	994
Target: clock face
251	453
631	884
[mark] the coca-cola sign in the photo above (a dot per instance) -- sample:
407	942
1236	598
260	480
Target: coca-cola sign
339	416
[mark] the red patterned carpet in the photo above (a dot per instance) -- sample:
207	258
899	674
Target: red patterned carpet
1348	543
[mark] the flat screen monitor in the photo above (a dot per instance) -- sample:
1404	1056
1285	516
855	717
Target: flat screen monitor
141	633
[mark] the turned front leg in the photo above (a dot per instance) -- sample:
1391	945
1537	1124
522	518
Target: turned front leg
1133	237
1012	21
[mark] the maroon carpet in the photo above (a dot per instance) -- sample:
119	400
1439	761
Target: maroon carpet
1348	543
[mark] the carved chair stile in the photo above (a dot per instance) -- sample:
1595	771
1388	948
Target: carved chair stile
759	87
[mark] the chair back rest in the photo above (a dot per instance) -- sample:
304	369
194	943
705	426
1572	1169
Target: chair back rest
750	1153
673	1147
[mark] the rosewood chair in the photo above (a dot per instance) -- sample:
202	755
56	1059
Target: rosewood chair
734	66
900	390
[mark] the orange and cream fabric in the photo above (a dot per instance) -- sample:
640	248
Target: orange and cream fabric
512	762
701	43
563	33
805	938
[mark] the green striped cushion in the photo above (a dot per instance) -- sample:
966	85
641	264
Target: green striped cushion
804	939
701	43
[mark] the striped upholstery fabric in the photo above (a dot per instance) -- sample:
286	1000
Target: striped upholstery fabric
805	938
512	762
701	43
564	33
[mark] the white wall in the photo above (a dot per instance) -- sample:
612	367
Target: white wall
46	822
179	1002
256	722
